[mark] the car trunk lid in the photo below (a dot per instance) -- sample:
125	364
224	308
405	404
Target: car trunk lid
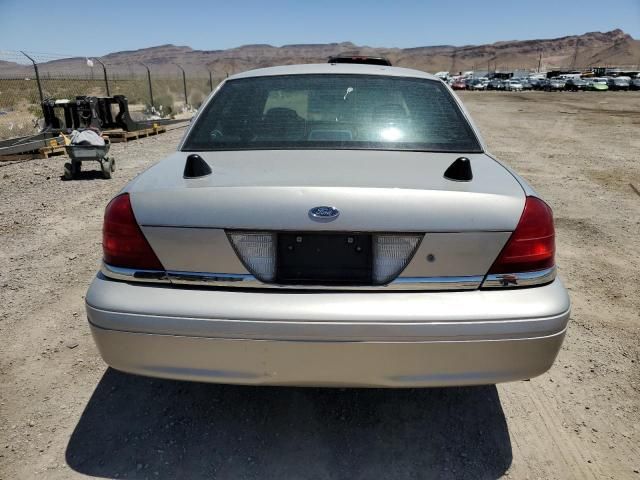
389	212
374	191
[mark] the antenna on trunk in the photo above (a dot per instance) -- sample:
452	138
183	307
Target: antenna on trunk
459	170
196	167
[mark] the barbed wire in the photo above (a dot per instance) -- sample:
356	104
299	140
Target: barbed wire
14	57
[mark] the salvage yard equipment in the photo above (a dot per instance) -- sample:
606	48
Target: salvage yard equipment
110	114
88	111
117	136
83	153
105	113
41	145
43	152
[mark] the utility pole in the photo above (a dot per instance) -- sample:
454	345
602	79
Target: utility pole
540	61
210	80
575	55
454	56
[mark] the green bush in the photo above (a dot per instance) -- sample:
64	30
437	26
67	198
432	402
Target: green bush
166	101
196	99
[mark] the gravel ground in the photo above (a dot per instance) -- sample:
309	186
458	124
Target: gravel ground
63	414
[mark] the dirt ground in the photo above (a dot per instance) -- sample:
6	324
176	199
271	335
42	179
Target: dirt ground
63	414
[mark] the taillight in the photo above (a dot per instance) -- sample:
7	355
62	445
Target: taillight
123	243
531	247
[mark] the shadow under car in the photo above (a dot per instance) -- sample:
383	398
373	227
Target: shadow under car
137	427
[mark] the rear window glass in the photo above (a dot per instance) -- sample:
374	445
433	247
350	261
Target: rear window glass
332	111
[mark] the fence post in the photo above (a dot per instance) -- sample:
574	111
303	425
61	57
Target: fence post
106	80
149	79
540	61
184	86
210	81
35	67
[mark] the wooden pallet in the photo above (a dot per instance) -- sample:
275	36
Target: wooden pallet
45	152
117	136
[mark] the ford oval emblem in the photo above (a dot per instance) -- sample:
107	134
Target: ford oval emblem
324	213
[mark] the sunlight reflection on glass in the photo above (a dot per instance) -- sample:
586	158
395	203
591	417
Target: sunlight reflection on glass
391	134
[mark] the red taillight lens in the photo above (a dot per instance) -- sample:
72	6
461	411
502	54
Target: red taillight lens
123	243
532	244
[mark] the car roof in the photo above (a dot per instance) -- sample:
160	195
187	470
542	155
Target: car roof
339	68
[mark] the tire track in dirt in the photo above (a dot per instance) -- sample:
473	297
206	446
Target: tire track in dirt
564	444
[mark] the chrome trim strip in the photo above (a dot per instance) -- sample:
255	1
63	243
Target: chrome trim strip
249	281
435	283
133	275
214	279
523	279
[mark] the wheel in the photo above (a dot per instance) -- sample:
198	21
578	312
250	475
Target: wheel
68	171
76	168
106	165
113	164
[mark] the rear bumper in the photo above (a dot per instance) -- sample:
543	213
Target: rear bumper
328	339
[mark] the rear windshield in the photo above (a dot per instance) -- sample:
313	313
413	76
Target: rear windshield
334	112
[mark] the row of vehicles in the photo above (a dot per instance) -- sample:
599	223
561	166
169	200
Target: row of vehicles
573	83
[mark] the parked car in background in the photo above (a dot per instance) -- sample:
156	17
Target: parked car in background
635	84
526	84
541	83
597	84
444	76
495	84
555	85
575	85
513	85
534	82
537	81
619	83
370	240
459	84
478	84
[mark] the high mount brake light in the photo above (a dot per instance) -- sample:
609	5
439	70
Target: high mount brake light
364	60
123	243
531	246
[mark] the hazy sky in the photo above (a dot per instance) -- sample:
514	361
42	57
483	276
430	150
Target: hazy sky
47	26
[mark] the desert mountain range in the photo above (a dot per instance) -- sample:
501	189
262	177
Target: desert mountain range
590	49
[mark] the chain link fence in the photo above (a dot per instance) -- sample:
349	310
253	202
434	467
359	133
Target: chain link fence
27	78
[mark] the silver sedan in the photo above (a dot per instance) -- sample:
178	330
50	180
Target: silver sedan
331	225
